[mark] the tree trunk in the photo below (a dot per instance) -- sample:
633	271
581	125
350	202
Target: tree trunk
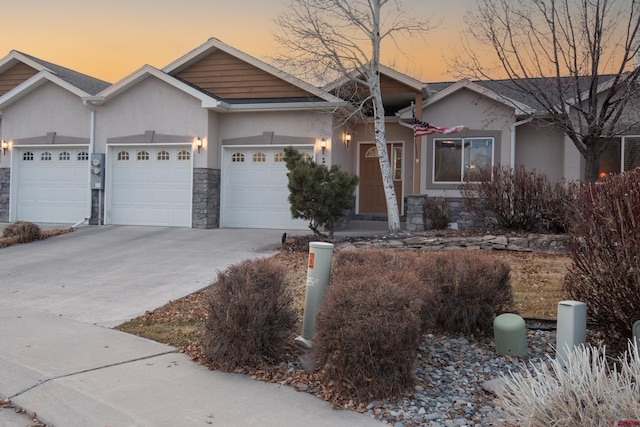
393	213
590	164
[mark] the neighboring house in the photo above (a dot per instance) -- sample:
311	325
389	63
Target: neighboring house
200	142
197	144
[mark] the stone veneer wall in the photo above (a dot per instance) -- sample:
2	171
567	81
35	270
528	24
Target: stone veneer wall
206	198
5	178
416	219
97	209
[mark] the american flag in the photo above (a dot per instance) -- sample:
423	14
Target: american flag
421	128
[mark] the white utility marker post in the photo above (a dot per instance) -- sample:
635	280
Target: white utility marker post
318	274
572	327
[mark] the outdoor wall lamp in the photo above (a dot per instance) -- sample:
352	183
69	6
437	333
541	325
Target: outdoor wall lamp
347	139
199	143
323	145
5	146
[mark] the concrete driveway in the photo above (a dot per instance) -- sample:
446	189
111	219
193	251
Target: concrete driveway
109	274
56	362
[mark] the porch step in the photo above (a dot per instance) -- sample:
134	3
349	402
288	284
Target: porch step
375	217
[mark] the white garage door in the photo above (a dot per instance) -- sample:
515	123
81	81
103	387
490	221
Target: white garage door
52	184
150	186
254	189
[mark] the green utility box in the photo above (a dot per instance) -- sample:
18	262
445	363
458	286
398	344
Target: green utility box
510	334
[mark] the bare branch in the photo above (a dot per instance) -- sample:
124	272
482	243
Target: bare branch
572	59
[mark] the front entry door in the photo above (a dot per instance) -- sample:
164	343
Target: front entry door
371	193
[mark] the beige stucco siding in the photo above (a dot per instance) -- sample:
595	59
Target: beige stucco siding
541	149
481	116
152	105
303	124
50	108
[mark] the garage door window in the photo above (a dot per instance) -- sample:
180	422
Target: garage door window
143	155
65	155
123	156
163	155
27	156
45	156
259	158
237	158
278	157
184	155
83	155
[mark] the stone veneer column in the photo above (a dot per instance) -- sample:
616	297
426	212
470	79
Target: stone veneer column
206	198
417	222
5	178
97	208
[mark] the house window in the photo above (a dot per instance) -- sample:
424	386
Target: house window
397	163
621	154
83	155
123	155
45	156
237	158
163	155
143	155
184	155
65	155
459	160
27	156
278	157
631	153
259	158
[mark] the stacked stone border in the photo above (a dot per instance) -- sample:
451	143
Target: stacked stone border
539	243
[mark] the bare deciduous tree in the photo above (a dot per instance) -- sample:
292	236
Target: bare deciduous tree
573	60
331	40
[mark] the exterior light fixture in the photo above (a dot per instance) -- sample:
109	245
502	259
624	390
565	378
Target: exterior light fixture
347	139
5	146
199	143
323	145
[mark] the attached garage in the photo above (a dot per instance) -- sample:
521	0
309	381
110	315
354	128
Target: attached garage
149	185
51	184
254	188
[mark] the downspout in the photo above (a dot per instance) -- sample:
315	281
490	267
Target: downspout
512	159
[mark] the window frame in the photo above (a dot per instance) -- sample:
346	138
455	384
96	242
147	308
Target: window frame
623	148
463	148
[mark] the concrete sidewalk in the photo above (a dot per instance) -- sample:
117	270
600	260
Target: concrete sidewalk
75	374
59	359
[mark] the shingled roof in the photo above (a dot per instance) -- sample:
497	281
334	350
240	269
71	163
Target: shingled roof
84	82
507	88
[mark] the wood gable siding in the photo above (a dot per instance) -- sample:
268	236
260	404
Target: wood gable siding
390	85
228	77
14	76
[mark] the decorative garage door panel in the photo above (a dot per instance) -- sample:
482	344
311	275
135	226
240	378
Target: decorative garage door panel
254	189
150	186
52	184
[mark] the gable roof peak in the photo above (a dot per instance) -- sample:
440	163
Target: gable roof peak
214	44
79	80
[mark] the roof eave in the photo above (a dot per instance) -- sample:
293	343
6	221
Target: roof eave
276	106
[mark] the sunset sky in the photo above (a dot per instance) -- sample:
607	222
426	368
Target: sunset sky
110	39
